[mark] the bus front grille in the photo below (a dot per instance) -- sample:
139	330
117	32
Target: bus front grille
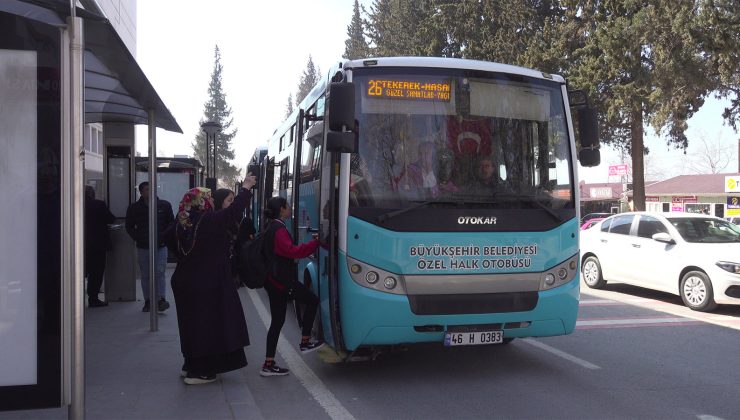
473	303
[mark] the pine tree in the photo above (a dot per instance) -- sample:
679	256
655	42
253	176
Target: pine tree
355	46
309	78
641	61
493	30
289	108
216	109
403	27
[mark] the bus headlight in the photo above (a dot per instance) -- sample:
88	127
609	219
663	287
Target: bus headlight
369	276
549	279
560	274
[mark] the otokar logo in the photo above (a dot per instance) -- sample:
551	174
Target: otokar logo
476	220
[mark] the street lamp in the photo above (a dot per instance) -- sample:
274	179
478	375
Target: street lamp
210	128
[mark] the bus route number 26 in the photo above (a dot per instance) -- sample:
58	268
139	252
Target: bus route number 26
374	88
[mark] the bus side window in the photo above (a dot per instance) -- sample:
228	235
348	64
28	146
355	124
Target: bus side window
315	168
306	161
320	106
284	180
276	180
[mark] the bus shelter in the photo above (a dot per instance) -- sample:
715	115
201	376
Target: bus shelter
62	65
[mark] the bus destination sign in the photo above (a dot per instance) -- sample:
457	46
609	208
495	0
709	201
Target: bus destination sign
422	90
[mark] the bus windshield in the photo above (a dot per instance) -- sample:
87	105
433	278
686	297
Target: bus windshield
459	138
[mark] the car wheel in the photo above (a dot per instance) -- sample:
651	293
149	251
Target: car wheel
697	292
592	275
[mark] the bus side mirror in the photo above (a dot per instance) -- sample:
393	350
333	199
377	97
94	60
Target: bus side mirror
340	137
589	157
341	106
588	128
341	142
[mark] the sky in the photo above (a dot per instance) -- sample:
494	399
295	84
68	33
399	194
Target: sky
265	46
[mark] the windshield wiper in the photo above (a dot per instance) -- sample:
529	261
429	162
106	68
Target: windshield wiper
387	216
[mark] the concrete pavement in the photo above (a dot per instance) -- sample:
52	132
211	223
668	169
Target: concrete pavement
132	373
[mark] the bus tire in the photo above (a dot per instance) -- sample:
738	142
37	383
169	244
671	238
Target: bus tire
592	275
697	292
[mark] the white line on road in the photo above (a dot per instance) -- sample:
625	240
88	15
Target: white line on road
631	321
657	305
560	353
300	369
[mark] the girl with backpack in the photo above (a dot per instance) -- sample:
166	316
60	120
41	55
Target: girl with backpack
282	283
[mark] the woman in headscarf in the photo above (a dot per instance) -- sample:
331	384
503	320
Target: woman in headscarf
213	331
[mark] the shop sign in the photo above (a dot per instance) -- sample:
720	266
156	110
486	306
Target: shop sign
617	170
683	199
601	192
732	184
733	206
652	199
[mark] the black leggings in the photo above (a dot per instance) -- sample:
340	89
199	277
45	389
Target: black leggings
278	306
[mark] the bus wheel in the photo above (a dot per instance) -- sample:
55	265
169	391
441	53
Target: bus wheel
697	292
592	275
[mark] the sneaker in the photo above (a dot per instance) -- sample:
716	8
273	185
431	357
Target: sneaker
146	306
162	305
95	303
191	379
273	370
184	371
310	346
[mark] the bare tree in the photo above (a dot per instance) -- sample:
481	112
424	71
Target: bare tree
653	170
711	157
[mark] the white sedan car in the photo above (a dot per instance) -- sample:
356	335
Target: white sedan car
691	255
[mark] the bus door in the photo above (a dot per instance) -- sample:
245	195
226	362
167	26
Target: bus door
267	172
329	254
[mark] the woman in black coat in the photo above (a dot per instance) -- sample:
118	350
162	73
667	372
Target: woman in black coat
213	331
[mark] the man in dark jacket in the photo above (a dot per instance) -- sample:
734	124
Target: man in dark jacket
97	243
137	226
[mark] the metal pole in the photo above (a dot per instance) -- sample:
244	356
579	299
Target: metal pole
153	242
76	157
208	155
215	137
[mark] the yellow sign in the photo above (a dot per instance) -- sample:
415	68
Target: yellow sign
423	90
732	184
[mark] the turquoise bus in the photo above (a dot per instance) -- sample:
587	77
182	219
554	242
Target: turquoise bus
445	191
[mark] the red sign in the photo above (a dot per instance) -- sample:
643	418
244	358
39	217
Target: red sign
683	199
616	170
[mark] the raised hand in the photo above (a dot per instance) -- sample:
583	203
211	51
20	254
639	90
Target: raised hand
249	181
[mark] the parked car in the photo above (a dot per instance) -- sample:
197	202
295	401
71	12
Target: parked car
590	222
590	216
691	255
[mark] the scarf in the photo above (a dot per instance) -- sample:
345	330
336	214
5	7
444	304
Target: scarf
195	203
